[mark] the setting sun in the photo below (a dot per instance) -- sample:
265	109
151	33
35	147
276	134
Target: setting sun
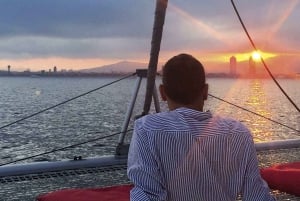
256	56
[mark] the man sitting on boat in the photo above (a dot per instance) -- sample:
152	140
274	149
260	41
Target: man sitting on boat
186	154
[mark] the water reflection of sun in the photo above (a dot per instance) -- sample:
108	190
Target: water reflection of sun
251	95
258	103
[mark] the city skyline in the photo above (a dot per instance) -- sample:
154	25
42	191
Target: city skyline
125	67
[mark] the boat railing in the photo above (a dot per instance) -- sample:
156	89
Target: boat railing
44	177
107	161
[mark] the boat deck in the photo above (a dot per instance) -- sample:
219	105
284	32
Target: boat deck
28	187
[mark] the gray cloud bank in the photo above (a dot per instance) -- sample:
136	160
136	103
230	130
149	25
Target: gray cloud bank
122	28
74	28
74	18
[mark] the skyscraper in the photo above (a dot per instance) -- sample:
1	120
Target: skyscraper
232	68
252	66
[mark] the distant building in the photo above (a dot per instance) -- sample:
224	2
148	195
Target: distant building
232	67
54	69
252	66
8	68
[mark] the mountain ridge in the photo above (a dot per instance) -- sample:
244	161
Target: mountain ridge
119	67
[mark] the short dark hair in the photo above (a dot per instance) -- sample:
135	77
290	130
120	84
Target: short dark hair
183	78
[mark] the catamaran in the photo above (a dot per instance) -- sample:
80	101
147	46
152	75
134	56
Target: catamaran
52	174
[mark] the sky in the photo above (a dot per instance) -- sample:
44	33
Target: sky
79	34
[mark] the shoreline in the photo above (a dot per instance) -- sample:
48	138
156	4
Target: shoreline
80	74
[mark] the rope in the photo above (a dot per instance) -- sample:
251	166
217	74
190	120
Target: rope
71	99
63	148
262	60
255	113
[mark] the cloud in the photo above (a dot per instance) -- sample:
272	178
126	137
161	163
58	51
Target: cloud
31	47
76	18
122	29
77	28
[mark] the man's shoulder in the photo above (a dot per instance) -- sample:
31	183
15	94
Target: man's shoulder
231	124
157	120
170	121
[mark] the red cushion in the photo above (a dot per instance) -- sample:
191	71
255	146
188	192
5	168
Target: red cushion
113	193
283	177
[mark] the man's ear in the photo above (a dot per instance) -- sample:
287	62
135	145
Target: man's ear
205	91
162	92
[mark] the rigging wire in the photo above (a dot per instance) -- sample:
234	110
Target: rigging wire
66	147
95	139
114	134
262	60
107	136
245	109
66	101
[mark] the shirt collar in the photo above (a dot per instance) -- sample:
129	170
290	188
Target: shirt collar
200	116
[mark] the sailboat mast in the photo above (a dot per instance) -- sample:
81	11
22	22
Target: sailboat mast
159	19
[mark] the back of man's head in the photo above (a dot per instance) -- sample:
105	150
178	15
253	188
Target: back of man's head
183	79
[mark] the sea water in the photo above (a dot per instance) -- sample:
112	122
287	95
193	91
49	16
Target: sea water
102	112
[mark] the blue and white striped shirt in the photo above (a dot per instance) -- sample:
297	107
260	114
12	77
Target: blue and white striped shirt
187	155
